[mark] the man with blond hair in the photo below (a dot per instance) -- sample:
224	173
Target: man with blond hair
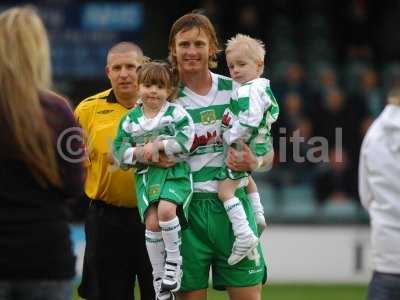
193	48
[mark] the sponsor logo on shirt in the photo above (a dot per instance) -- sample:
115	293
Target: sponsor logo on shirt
209	138
226	120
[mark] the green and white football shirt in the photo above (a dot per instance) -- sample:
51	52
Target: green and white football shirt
173	125
206	111
251	112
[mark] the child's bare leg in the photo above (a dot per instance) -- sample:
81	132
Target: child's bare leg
227	188
251	186
170	229
151	219
166	210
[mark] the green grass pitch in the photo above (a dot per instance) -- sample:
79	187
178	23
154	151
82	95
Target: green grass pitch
277	291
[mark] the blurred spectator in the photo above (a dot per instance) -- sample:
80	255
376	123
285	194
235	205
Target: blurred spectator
328	77
369	98
212	9
371	94
356	30
335	181
387	24
335	113
339	121
296	128
326	81
293	111
248	21
294	81
391	76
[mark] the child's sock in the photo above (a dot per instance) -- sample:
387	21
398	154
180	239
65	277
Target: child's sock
156	251
171	234
237	216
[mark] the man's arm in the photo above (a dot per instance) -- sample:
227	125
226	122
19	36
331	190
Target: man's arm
161	153
363	185
128	156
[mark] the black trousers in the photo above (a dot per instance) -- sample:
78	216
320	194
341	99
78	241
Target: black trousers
115	255
384	286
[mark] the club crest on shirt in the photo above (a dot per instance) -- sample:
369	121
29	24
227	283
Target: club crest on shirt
208	117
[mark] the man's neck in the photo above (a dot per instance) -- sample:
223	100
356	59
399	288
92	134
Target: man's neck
125	101
200	82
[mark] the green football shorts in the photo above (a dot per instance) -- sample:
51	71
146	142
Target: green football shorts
207	242
172	184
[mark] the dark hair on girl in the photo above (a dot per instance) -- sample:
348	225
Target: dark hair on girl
161	74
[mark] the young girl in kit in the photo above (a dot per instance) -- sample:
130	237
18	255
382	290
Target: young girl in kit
157	125
252	110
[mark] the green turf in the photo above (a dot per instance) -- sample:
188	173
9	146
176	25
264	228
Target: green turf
314	292
301	292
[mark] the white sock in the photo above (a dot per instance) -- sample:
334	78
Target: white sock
171	231
156	250
256	203
237	216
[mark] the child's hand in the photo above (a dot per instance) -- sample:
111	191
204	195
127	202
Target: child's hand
149	150
165	161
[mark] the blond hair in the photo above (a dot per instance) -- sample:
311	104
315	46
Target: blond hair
24	71
394	96
254	48
199	21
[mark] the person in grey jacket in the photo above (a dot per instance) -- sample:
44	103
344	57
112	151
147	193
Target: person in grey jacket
379	188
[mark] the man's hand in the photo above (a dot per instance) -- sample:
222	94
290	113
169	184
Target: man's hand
110	159
164	161
242	160
149	152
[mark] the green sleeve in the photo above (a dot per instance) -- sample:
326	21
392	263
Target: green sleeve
122	142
